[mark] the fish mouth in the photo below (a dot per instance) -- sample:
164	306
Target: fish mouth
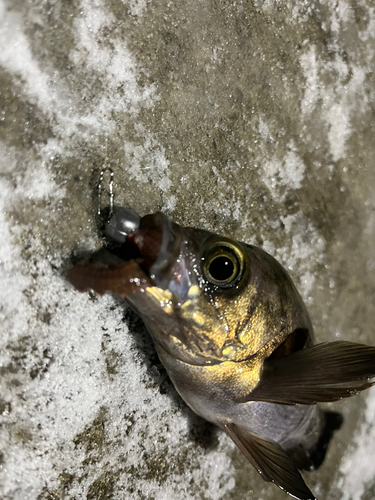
158	244
145	259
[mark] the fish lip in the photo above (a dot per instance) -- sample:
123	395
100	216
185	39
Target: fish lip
158	243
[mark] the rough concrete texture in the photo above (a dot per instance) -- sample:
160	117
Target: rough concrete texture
254	119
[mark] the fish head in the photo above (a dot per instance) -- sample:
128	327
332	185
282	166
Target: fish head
213	299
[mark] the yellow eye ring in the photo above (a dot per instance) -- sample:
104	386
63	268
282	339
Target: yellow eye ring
223	262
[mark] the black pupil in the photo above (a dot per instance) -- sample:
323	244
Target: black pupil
221	268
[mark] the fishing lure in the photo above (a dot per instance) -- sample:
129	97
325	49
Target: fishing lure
234	336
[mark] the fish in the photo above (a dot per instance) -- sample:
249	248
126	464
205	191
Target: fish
235	338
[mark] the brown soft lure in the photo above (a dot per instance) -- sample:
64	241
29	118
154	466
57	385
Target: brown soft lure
235	338
121	279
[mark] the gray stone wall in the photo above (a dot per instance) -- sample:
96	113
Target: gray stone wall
254	119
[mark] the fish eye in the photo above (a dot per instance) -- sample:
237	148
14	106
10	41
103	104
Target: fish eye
223	262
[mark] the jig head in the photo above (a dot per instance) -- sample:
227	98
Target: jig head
121	221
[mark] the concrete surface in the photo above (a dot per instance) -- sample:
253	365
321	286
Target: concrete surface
254	119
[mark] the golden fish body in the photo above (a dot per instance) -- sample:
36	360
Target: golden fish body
236	340
214	339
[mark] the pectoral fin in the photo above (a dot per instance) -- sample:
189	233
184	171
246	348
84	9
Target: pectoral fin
321	373
271	461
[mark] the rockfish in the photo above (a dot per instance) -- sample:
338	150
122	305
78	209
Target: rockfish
235	338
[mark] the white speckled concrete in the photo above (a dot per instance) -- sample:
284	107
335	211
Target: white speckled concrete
252	119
